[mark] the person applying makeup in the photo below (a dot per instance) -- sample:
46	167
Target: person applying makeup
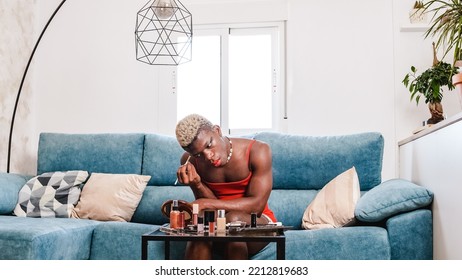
234	174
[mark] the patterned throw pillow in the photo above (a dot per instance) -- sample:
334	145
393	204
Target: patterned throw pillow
52	194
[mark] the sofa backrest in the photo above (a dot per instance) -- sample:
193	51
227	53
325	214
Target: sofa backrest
102	153
299	162
310	162
161	159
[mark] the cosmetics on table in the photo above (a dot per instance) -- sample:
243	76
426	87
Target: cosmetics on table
200	225
174	215
253	220
209	221
195	213
221	222
181	221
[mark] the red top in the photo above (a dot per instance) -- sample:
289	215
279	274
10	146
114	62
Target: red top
232	190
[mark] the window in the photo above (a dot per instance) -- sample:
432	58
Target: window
234	78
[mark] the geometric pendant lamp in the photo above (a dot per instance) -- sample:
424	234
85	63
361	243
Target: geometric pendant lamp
163	33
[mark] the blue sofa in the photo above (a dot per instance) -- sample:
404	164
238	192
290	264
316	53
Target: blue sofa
393	218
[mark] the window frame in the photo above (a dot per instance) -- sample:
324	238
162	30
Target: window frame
279	107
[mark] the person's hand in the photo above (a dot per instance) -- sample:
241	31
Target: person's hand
203	205
187	175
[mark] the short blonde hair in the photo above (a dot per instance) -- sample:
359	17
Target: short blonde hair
189	127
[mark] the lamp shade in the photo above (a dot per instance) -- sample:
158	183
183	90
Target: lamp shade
163	33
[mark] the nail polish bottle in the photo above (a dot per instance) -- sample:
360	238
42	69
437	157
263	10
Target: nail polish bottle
174	215
195	213
221	222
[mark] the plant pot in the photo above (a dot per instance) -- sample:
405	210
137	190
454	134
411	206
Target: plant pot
436	110
457	82
417	16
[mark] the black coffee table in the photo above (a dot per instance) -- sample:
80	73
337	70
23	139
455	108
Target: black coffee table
158	235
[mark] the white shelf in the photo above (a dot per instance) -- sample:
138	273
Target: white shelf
432	158
416	27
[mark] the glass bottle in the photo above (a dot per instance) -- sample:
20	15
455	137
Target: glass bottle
221	222
174	215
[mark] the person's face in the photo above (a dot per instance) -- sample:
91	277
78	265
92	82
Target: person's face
210	147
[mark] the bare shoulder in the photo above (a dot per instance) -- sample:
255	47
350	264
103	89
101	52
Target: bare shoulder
260	153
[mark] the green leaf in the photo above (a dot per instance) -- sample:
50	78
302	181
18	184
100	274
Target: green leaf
406	80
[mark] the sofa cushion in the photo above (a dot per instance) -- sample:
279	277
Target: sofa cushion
149	209
310	162
45	239
289	205
348	243
10	184
108	235
161	159
334	205
102	153
110	197
390	198
51	194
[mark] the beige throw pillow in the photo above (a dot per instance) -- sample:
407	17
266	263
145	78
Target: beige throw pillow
335	203
110	197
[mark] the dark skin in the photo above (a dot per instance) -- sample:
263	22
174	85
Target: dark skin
209	151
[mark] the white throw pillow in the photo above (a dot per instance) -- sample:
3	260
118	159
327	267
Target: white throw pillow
110	197
335	203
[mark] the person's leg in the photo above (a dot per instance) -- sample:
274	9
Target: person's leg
236	251
198	250
242	250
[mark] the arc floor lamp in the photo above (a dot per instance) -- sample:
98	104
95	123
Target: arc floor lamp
18	95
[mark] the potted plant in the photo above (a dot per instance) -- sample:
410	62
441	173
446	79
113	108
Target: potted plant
429	84
417	13
446	27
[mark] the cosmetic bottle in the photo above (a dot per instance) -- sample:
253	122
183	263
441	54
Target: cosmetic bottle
181	221
195	213
253	220
221	222
174	215
200	225
209	222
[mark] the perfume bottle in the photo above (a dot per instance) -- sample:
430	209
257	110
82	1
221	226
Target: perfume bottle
174	215
221	222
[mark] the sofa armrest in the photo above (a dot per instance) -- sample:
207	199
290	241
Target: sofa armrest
10	185
411	235
391	198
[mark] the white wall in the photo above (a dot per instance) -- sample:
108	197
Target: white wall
340	70
345	63
16	42
89	80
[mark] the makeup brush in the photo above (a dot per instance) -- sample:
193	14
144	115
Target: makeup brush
176	181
